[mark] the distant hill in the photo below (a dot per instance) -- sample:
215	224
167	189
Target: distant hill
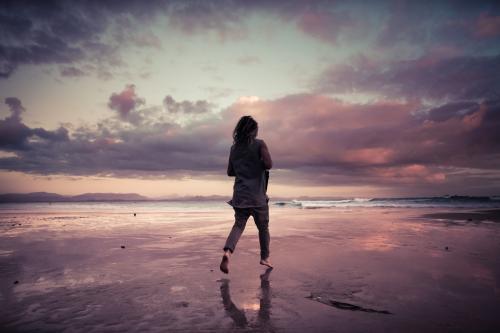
54	197
109	197
194	198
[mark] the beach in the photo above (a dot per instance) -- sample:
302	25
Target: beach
349	269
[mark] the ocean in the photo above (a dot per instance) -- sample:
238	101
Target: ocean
416	202
197	206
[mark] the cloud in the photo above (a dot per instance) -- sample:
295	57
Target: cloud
14	135
450	110
324	25
72	72
314	140
15	107
154	146
452	78
224	18
186	107
125	102
328	141
95	33
72	33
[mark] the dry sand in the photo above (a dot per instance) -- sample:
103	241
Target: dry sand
336	270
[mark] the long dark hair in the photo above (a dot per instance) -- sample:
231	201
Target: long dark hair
245	130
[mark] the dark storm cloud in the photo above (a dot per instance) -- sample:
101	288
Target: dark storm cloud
73	33
69	32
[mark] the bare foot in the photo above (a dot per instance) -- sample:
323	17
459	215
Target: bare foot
224	264
266	262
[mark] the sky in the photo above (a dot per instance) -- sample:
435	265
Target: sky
353	98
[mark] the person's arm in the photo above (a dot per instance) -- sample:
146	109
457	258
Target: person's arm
230	170
265	156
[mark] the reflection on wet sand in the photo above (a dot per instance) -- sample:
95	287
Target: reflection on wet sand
238	315
434	275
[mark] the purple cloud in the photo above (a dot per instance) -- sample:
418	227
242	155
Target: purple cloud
313	139
125	102
461	77
14	134
71	33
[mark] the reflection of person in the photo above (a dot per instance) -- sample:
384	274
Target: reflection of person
249	161
265	299
238	315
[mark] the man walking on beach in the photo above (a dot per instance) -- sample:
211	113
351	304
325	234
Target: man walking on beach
249	161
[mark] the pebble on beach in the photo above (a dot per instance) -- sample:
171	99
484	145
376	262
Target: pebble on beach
446	248
16	282
134	214
123	246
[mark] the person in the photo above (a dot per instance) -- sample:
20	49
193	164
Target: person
249	162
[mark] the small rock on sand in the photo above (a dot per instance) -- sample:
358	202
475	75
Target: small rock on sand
182	304
123	246
16	282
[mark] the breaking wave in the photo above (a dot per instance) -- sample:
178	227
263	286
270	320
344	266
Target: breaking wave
454	201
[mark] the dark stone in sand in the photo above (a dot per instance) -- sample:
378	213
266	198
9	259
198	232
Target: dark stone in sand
16	282
182	304
211	270
123	246
134	214
446	248
344	306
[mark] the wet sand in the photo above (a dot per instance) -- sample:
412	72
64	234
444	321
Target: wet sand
336	270
492	215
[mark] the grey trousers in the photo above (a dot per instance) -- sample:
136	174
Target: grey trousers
261	217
